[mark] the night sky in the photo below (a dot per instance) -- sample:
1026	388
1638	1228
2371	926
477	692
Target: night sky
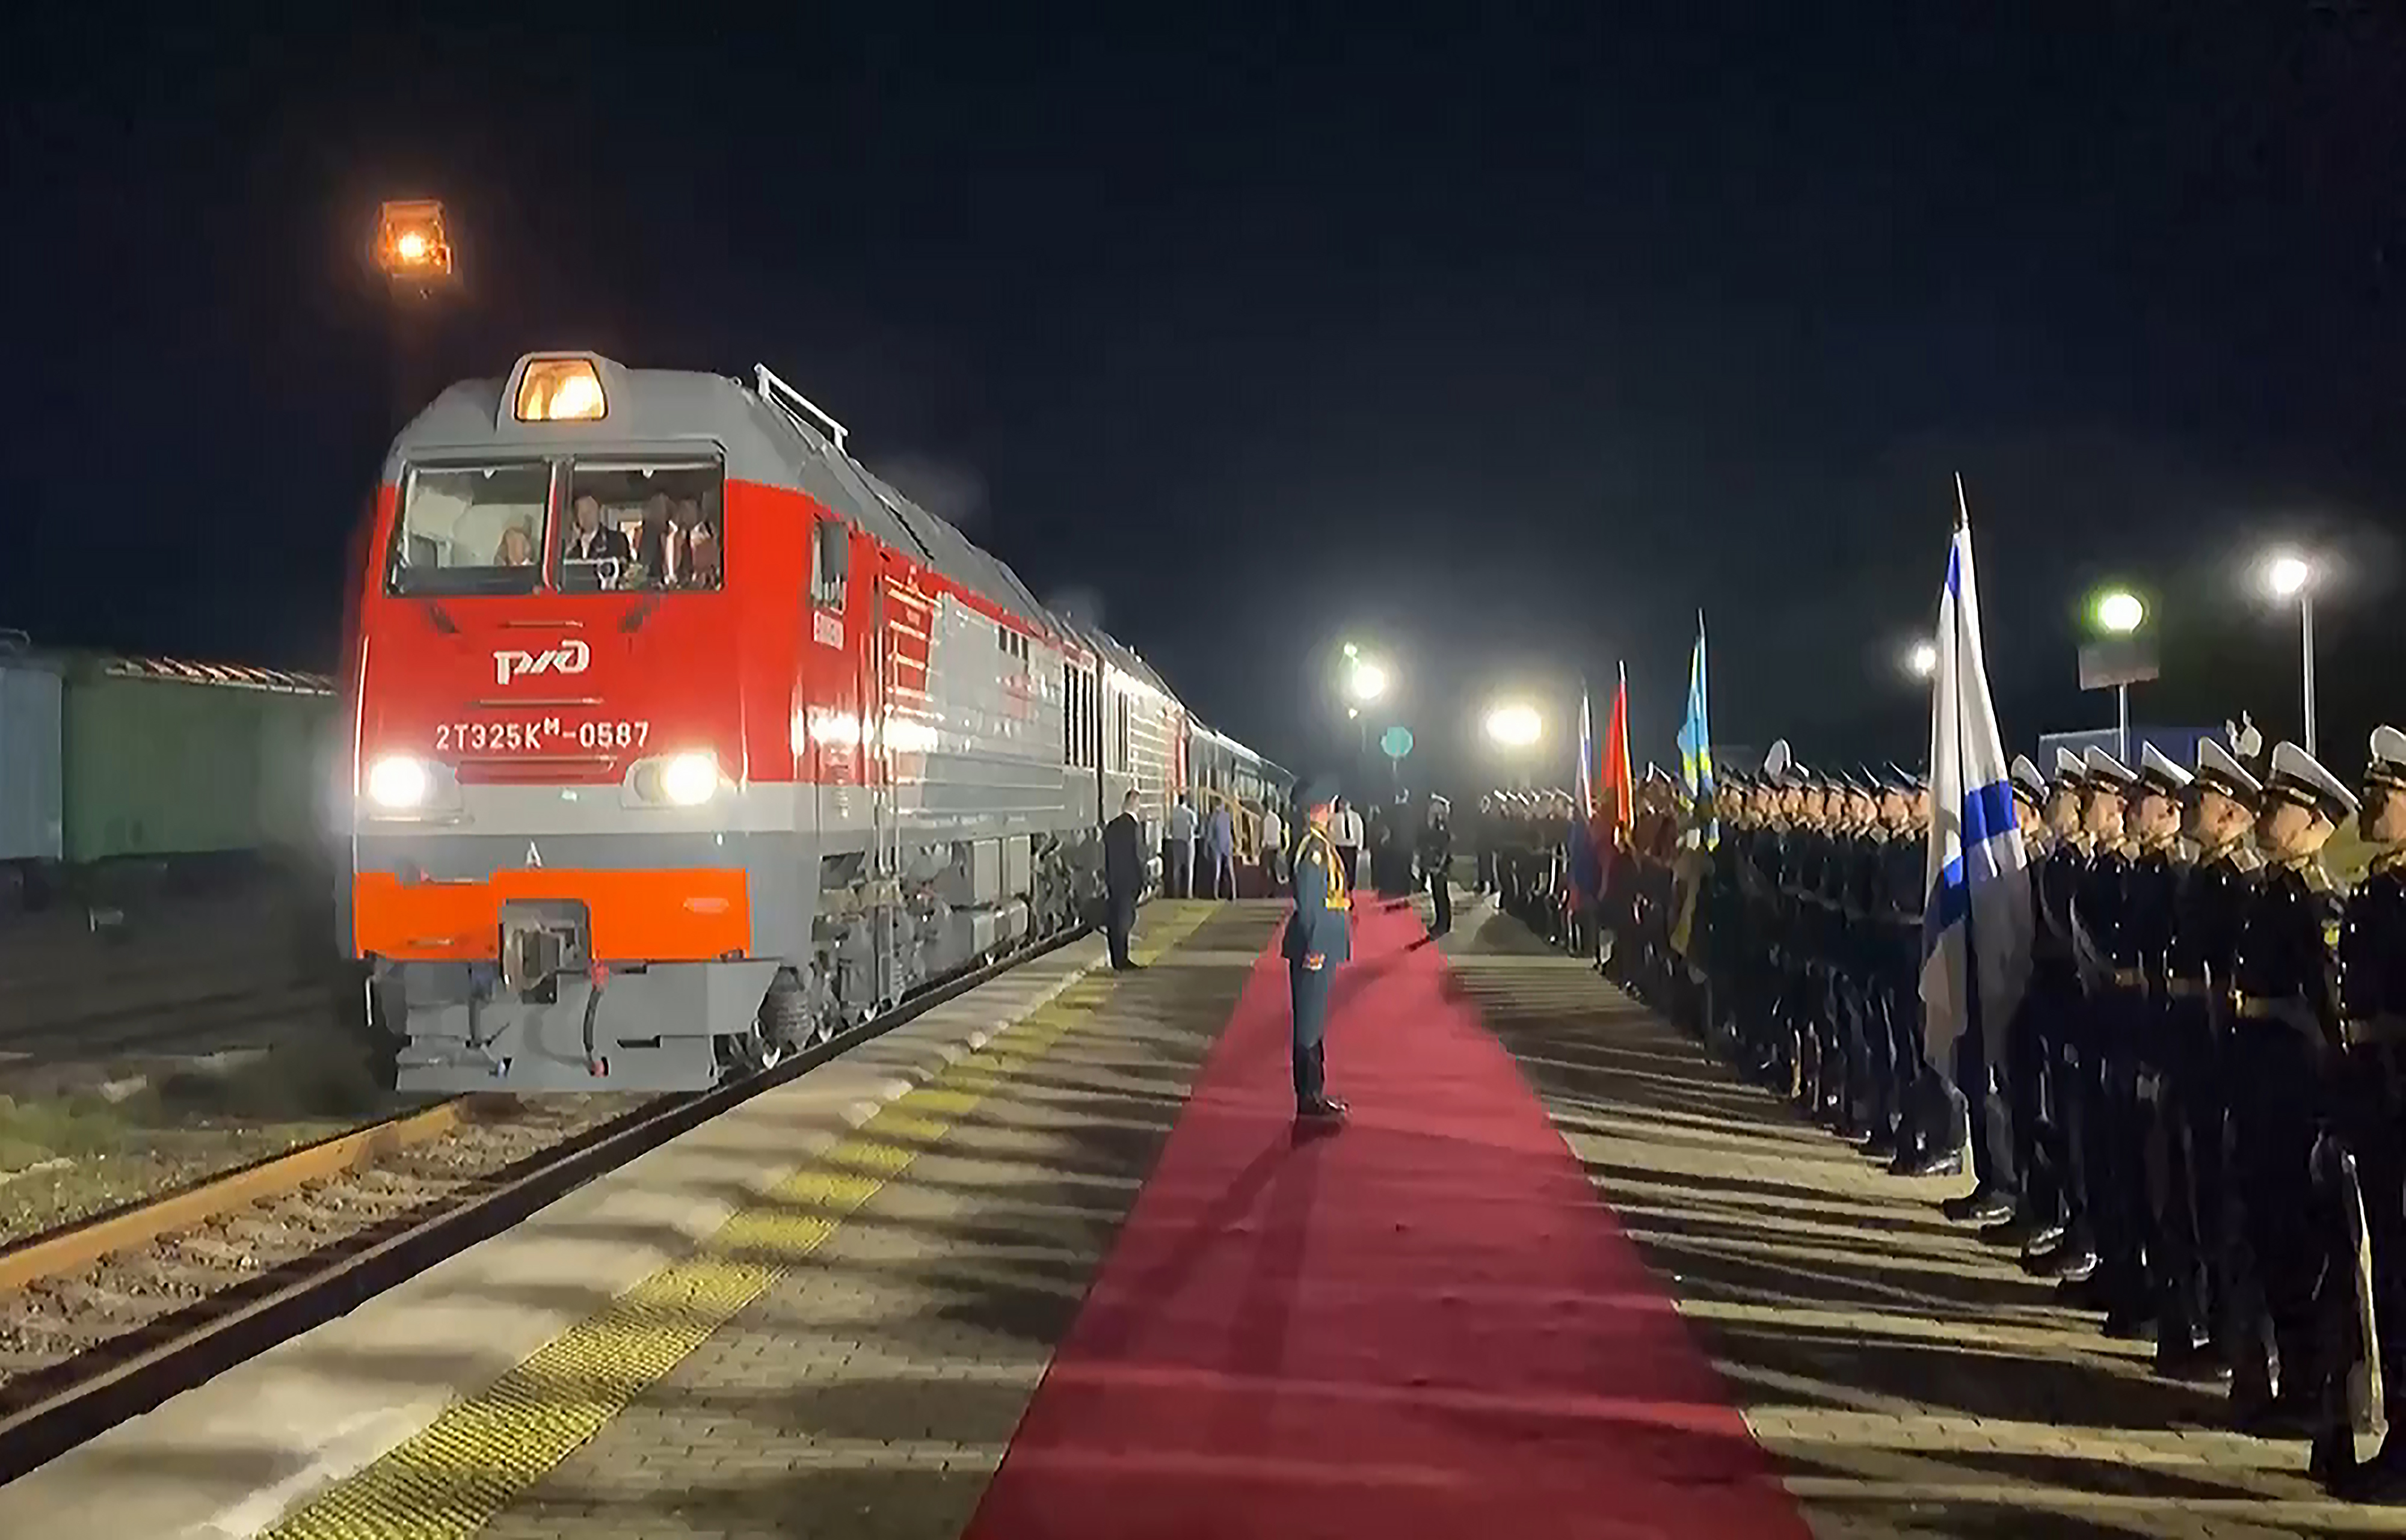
1500	344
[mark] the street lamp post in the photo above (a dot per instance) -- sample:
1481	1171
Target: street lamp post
1515	728
2289	575
413	251
1365	681
2120	612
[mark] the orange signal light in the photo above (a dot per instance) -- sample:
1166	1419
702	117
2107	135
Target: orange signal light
561	390
410	241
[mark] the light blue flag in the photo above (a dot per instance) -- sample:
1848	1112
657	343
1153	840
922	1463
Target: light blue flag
1696	742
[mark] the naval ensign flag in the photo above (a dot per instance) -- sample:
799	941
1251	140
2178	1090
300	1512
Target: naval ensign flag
1975	925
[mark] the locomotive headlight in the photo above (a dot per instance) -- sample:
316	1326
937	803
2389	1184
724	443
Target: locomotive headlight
398	783
689	780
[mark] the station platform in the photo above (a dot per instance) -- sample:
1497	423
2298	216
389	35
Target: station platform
1054	1259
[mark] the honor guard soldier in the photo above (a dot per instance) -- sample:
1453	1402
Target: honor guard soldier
2118	1019
2069	1250
1807	853
1896	909
1779	855
2356	1452
2040	1202
1929	1142
2284	1028
2223	797
1726	942
1319	937
1862	938
2176	1269
1758	890
1996	1168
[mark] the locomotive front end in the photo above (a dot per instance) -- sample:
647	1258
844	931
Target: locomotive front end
561	859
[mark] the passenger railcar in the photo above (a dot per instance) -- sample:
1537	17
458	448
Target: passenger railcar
1220	768
680	741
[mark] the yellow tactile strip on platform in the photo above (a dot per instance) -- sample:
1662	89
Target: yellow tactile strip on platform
451	1479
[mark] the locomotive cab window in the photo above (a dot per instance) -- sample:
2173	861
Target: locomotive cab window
644	526
830	554
470	528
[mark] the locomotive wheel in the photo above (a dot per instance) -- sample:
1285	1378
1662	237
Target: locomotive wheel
757	1054
782	1026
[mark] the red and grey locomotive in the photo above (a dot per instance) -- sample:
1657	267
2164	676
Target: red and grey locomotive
680	741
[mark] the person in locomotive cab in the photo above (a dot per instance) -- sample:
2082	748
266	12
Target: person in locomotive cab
2284	1028
2370	1274
590	539
656	544
697	534
516	548
1319	937
1122	879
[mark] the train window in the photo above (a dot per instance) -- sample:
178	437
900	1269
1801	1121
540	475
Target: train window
644	526
1078	723
830	557
470	528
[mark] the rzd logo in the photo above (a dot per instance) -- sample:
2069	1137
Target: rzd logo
569	657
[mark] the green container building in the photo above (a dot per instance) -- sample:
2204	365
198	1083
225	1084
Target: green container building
162	759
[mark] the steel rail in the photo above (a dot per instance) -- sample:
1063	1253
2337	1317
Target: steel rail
74	1404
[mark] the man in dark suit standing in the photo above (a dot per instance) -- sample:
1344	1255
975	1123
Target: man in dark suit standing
1318	937
1122	879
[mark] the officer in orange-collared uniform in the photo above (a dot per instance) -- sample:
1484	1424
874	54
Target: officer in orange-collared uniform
1319	937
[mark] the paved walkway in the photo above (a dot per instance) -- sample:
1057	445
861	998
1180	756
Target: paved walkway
1911	1379
908	1291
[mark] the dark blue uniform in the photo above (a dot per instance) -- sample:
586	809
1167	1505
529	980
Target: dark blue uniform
1318	937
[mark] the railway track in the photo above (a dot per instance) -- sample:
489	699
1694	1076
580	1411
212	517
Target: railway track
103	1320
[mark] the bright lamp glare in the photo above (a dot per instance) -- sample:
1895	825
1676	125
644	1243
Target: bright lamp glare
1368	683
1514	727
2287	574
397	781
1922	659
689	780
2120	612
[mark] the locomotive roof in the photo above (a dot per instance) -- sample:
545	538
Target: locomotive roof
1119	654
664	410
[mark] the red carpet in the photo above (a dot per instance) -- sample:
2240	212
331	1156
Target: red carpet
1425	1324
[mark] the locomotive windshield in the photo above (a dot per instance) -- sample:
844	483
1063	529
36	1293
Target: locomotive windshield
643	526
471	529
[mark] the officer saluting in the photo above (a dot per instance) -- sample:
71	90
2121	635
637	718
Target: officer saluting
1319	936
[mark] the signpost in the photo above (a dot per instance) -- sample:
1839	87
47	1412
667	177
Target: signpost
2116	664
